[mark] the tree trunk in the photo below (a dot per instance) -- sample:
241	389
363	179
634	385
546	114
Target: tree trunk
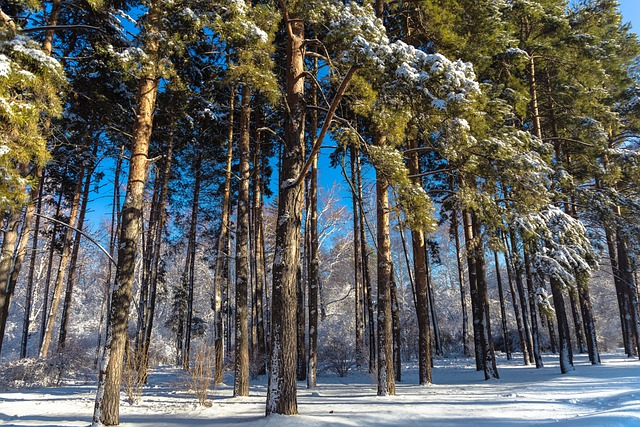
533	91
473	286
397	331
222	254
30	277
503	311
564	337
620	291
432	306
463	292
155	247
629	287
357	265
386	383
105	307
488	352
366	276
241	379
258	236
193	240
574	301
64	260
301	324
516	307
582	284
108	395
313	277
68	297
422	298
281	393
532	310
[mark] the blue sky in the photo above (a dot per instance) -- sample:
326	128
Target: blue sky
631	13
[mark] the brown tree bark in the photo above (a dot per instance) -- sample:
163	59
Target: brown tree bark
422	307
106	409
222	254
281	393
386	383
241	379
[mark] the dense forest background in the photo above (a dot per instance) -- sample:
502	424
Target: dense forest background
485	165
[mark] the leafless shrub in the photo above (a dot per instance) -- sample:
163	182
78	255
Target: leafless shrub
134	375
200	371
338	356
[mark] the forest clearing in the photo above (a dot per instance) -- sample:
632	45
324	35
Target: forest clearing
592	396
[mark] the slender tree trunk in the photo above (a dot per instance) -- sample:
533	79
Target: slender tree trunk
488	353
241	379
516	306
105	307
533	91
432	306
397	331
259	252
64	260
503	310
577	322
108	394
366	276
313	274
463	292
68	297
193	238
222	254
528	323
422	298
473	286
281	393
158	229
620	293
386	383
301	324
582	284
626	278
357	265
547	320
30	277
532	310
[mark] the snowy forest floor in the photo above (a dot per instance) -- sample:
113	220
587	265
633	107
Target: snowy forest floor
604	395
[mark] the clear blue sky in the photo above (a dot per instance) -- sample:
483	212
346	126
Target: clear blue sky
631	13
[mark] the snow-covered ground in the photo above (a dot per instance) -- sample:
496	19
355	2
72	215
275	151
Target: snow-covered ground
605	395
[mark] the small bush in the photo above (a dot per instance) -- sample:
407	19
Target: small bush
199	377
29	373
134	375
338	355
